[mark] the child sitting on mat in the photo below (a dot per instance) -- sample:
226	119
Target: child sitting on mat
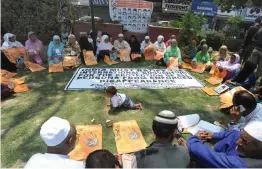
118	100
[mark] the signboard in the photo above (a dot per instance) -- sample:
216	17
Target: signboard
134	15
100	78
206	7
176	6
86	2
250	14
228	14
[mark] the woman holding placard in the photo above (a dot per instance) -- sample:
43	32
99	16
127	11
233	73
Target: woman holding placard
34	49
104	48
55	50
202	57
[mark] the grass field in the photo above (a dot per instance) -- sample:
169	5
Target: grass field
23	114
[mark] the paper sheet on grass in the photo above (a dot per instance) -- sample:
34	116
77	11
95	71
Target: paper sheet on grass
188	120
199	68
217	77
56	67
34	67
128	137
6	74
89	139
205	126
135	56
21	88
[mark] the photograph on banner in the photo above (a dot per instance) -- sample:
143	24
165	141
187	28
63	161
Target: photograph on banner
176	6
131	78
134	15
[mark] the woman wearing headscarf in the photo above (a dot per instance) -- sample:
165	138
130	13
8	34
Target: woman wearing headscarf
55	50
134	44
244	77
159	44
34	48
173	51
202	42
222	55
5	62
64	18
203	56
104	48
145	44
232	65
10	42
72	49
85	44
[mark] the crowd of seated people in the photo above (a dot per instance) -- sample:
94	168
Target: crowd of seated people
239	146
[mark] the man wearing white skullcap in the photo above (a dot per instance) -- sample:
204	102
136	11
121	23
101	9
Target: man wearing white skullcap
145	44
120	43
237	149
60	136
161	153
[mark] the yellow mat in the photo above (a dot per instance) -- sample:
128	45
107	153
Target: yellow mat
89	139
128	137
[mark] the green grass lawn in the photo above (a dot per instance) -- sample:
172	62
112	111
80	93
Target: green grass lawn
23	114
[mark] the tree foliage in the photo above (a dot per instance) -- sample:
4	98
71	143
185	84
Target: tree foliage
228	5
191	26
20	17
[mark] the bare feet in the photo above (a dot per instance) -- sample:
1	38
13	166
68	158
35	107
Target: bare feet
182	142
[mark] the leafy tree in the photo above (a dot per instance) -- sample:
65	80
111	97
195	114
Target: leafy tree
21	16
228	5
191	26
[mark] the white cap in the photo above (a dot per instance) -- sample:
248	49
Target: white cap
254	129
120	35
147	37
166	117
54	131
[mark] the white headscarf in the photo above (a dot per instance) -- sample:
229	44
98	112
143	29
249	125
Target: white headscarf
160	45
7	44
103	45
160	38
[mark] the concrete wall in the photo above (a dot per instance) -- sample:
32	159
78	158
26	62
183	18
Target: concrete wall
154	31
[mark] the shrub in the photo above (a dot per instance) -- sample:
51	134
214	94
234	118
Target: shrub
214	39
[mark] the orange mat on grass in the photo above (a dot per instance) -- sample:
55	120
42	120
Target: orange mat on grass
90	58
109	61
199	68
128	137
172	63
217	77
89	139
149	52
34	67
124	55
56	67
